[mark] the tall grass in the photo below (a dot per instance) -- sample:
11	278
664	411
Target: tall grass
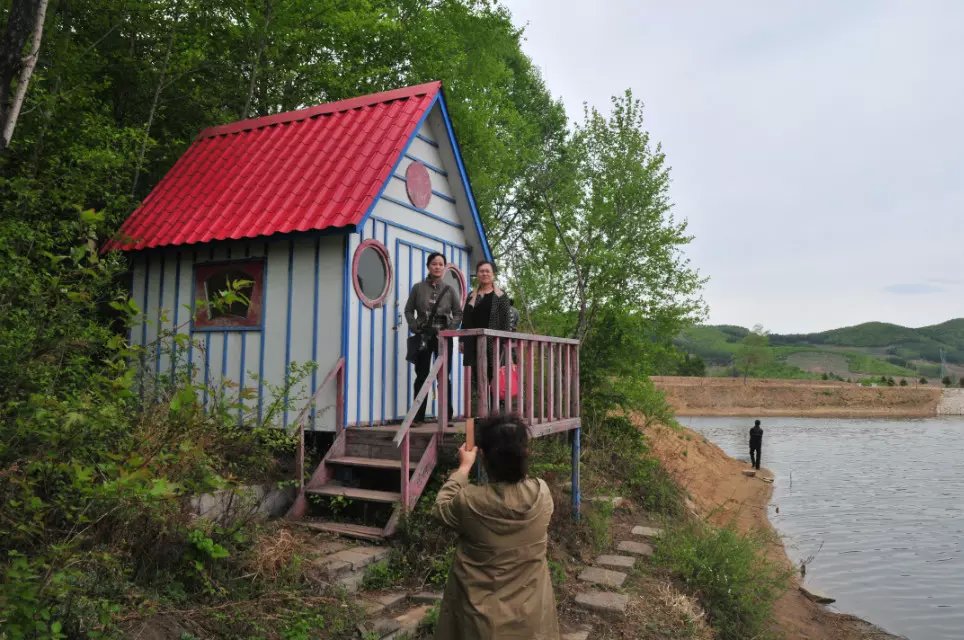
728	572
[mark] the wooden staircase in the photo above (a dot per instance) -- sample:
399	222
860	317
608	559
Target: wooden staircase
365	467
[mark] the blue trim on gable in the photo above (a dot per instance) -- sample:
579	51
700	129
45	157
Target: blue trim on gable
385	328
431	167
418	232
464	176
398	160
435	193
427	140
190	342
358	339
244	348
422	212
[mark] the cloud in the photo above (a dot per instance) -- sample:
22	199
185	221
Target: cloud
913	289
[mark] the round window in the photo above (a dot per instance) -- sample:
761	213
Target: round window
371	273
454	278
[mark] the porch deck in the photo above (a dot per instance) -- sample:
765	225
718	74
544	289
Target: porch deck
372	465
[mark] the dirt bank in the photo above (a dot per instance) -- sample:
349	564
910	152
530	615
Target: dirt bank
825	399
723	494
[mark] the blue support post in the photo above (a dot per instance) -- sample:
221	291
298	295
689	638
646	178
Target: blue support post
576	497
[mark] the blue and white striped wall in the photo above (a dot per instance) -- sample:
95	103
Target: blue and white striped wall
301	319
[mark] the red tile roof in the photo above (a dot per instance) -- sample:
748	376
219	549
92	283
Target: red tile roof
303	170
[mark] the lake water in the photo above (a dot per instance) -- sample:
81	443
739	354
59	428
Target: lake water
885	498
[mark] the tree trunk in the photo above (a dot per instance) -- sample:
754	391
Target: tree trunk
153	111
256	61
26	17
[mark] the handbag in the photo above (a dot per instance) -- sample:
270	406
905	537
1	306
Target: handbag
513	373
421	340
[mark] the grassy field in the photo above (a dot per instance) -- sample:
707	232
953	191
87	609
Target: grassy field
869	349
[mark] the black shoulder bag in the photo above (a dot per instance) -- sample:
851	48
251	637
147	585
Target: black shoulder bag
419	341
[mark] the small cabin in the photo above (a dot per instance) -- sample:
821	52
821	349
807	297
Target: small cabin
331	212
328	214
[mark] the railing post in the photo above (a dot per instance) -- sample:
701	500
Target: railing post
552	381
300	459
405	470
542	382
576	383
497	364
467	378
482	369
507	383
523	387
340	399
576	497
443	386
531	384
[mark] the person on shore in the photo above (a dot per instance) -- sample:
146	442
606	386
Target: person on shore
499	586
432	306
756	444
487	307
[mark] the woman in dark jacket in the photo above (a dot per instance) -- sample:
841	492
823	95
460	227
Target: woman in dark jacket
487	307
432	306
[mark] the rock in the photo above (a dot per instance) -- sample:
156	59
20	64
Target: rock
579	633
426	597
615	501
352	582
381	627
619	562
647	532
749	472
409	621
605	577
638	548
341	562
769	480
388	600
603	601
816	595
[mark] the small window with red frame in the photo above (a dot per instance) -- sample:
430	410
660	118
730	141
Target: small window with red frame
229	295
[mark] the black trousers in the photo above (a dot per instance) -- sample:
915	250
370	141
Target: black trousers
755	456
423	363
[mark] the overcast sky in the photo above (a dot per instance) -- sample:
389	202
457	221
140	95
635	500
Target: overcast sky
817	147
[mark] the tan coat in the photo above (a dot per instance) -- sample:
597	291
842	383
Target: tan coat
499	587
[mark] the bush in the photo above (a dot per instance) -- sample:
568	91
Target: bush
946	380
728	572
903	382
614	442
923	380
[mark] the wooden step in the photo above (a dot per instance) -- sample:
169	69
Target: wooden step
359	531
375	463
359	494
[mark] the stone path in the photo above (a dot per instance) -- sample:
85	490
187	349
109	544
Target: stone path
392	615
612	603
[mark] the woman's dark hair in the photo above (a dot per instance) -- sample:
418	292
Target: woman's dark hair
482	262
504	440
432	256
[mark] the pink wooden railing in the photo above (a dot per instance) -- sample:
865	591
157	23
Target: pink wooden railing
336	373
547	369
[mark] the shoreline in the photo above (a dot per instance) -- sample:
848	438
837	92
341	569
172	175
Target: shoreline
760	397
721	494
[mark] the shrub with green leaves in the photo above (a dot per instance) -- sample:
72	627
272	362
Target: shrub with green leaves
728	572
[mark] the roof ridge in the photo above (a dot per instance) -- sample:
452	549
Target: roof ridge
321	109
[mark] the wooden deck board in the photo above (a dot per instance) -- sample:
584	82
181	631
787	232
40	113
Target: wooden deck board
357	494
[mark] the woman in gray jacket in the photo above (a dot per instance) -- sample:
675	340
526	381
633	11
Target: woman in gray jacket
432	306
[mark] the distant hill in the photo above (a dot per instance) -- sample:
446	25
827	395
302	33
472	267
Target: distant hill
868	349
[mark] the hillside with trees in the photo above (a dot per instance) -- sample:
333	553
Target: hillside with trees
871	349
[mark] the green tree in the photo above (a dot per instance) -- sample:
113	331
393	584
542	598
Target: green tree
754	352
603	239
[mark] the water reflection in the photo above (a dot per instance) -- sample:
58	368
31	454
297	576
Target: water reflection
885	499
